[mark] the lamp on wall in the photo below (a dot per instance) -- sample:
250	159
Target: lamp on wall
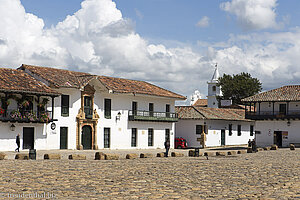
118	117
12	127
288	123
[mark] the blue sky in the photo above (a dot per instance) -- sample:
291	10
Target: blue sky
168	19
171	43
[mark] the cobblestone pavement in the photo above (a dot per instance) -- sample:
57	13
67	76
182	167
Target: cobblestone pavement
263	175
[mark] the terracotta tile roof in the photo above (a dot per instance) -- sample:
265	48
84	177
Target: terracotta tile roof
285	93
197	112
59	77
201	102
188	112
120	85
65	78
12	80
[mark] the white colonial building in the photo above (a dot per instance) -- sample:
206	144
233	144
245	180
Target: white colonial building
26	109
204	124
95	112
277	116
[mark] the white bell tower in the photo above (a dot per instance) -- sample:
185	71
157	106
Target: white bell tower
213	90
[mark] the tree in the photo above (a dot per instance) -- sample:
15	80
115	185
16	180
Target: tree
237	87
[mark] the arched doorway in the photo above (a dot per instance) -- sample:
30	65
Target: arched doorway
86	137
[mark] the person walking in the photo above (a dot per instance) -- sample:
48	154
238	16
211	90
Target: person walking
18	143
167	146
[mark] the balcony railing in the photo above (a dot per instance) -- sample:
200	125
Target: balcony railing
25	116
152	116
291	114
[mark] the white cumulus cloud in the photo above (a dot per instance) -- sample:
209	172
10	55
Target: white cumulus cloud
253	14
203	22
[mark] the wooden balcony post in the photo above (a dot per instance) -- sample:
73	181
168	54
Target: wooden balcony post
52	97
259	108
38	106
287	108
273	108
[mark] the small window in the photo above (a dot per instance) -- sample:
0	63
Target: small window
230	129
239	130
198	129
65	105
88	107
251	130
107	108
133	137
150	137
214	88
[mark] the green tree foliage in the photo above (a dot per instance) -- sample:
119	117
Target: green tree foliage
237	87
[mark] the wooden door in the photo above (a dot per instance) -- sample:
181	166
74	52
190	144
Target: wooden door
63	137
86	137
223	137
28	138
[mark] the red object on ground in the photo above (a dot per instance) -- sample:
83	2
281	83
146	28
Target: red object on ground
180	143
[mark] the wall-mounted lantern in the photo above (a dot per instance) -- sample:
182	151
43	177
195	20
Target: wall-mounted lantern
12	127
288	123
118	117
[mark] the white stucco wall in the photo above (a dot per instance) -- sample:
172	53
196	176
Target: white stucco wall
120	130
187	130
267	128
8	137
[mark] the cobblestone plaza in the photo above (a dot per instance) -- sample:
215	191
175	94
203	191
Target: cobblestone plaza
262	175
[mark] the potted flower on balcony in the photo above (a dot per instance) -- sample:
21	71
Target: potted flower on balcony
1	111
25	103
30	116
16	115
45	117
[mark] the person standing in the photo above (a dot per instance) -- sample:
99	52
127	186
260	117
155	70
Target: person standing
254	148
18	143
167	146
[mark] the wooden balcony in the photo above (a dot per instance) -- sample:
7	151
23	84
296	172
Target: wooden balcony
270	115
152	116
25	116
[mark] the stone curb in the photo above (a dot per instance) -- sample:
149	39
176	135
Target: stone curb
111	156
77	157
99	156
146	155
132	156
2	156
52	156
22	156
176	154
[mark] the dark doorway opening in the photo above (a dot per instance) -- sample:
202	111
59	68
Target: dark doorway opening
223	137
63	137
86	137
28	138
278	138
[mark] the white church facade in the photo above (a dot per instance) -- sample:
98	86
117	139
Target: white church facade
86	111
204	124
